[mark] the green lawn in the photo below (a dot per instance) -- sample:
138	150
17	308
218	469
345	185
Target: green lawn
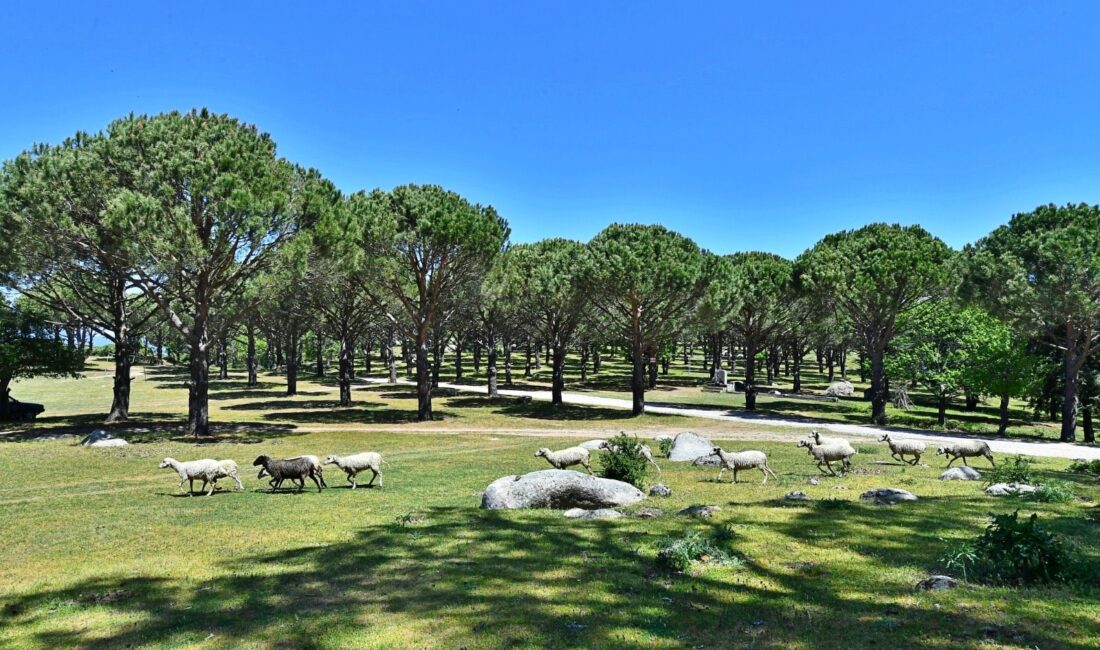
101	551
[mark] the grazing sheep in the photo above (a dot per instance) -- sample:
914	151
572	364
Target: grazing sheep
819	439
899	449
966	449
356	463
318	469
296	469
206	469
566	457
644	448
827	454
228	469
743	460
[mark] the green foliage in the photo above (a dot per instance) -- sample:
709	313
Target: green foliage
624	460
1085	467
28	349
1011	552
679	553
1052	492
1016	470
665	446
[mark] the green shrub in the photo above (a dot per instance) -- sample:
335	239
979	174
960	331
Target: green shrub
679	553
1011	552
624	462
1085	466
1052	492
1017	470
665	446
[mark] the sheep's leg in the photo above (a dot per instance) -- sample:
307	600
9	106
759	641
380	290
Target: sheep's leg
190	486
275	484
351	479
990	457
588	467
830	466
720	470
656	465
240	486
953	459
379	473
179	488
769	471
374	474
213	484
964	461
735	475
820	468
321	476
315	481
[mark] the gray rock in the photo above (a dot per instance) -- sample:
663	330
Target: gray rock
721	377
558	488
602	513
706	461
699	511
963	473
648	513
524	399
938	583
100	438
688	446
796	495
446	392
887	496
1009	489
840	389
591	445
660	490
813	481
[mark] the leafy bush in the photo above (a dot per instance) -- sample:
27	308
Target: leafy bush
1052	492
1085	466
665	446
1017	470
624	461
1011	552
678	553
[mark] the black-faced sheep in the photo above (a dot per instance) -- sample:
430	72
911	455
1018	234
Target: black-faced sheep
296	470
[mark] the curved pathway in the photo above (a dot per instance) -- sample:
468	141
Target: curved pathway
1051	449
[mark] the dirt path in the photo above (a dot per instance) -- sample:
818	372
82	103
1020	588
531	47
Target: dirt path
1051	449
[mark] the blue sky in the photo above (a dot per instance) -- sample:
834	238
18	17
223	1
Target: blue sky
745	127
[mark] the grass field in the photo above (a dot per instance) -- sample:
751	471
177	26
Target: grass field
101	551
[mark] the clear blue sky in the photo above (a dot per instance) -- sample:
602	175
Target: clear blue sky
742	127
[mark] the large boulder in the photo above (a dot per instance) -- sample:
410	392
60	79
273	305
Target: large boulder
100	438
963	473
558	488
840	389
1009	489
887	496
687	446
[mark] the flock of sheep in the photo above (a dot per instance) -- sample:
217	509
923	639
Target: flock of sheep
296	470
825	451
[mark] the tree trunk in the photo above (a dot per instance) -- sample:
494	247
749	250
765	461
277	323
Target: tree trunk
750	375
557	382
458	361
198	393
664	367
437	362
391	359
491	361
223	358
597	361
423	378
527	360
1004	416
637	378
346	362
251	361
320	369
941	411
120	400
878	387
1089	436
972	402
292	362
842	360
862	370
477	357
584	363
367	349
1069	396
5	395
651	366
507	361
797	379
407	354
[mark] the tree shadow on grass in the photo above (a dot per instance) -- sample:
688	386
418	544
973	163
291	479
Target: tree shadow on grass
543	410
515	579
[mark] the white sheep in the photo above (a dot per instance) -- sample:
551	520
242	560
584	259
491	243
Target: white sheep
899	449
356	463
228	469
206	469
566	457
318	468
647	453
966	449
740	460
828	454
819	439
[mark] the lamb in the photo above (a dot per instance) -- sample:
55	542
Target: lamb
566	457
819	439
295	469
644	448
827	454
228	469
356	463
206	469
318	469
899	449
743	460
966	449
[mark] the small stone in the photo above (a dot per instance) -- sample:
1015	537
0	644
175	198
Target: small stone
1009	489
887	496
601	513
796	495
938	583
648	513
700	511
660	490
813	481
113	442
963	473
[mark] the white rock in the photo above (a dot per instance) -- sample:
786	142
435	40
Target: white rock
558	488
963	473
591	445
840	389
113	442
601	513
1009	489
687	446
887	496
938	583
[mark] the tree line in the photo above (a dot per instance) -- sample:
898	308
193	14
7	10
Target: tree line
186	232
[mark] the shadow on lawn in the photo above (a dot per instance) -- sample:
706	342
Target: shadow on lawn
507	579
141	428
